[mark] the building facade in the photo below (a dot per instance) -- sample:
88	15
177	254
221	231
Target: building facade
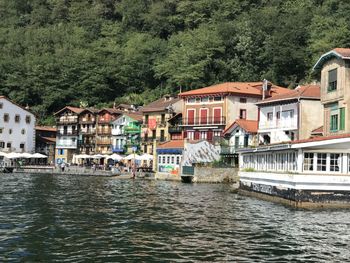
155	127
334	69
87	131
208	111
45	142
291	116
126	133
17	127
67	123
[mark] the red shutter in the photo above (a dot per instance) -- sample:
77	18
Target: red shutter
185	134
196	135
190	117
217	116
204	116
210	135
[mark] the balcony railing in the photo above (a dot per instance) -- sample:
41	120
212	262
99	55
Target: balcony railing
175	129
104	131
67	120
87	120
104	141
219	120
151	139
116	149
66	144
87	132
67	133
281	124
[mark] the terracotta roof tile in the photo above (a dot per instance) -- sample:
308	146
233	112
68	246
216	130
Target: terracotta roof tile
73	109
250	126
322	138
318	130
172	144
135	116
303	92
160	104
244	88
344	52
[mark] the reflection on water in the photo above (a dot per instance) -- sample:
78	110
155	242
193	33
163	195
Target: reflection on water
73	219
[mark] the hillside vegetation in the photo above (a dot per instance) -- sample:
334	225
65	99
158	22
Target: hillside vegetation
58	52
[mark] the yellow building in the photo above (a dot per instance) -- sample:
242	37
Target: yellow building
155	121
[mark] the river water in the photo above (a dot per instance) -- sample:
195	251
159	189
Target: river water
46	218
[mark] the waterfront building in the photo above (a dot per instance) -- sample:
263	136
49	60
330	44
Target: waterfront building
240	134
126	132
17	127
208	111
334	71
310	172
169	157
155	127
290	116
104	129
87	131
67	122
45	142
175	128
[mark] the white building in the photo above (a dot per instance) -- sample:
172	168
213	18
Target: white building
17	127
291	116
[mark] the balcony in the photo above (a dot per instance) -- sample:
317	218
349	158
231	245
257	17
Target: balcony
117	149
87	120
104	131
88	132
67	133
66	144
175	129
290	124
226	150
132	129
104	141
203	121
151	139
67	120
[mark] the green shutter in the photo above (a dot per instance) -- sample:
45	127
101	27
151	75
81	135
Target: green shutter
342	119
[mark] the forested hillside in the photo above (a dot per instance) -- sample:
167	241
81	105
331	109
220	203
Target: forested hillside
58	52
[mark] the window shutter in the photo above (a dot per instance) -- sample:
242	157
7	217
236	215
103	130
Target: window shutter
342	119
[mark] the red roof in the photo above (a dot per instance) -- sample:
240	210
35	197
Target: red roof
135	116
160	105
244	88
46	128
322	138
172	144
250	126
73	109
302	92
344	52
318	130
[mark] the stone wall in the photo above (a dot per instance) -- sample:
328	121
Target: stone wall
167	177
215	175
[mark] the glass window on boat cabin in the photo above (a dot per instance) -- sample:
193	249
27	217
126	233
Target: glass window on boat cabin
308	161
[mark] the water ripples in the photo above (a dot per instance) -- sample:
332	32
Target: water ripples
77	219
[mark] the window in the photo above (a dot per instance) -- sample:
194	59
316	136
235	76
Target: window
146	119
8	145
177	159
217	133
1	105
1	130
10	131
28	119
6	117
191	100
21	146
159	159
218	98
205	99
242	100
334	122
168	159
332	80
322	162
308	161
162	138
2	145
269	116
190	135
17	118
334	165
236	141
246	140
242	114
23	131
162	119
203	135
198	100
173	159
163	159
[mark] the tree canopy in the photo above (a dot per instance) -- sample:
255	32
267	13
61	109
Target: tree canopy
59	52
